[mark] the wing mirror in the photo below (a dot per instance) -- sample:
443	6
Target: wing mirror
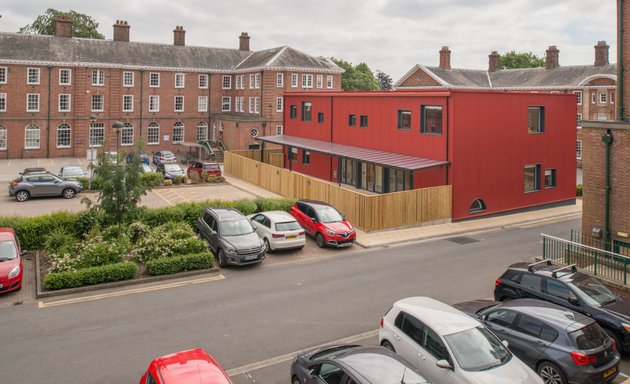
24	252
254	226
443	364
505	343
573	300
314	219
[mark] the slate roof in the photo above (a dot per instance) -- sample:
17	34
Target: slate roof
287	58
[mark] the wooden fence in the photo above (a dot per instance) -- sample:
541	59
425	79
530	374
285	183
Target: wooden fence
368	212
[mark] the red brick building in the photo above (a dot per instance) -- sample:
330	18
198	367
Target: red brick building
60	95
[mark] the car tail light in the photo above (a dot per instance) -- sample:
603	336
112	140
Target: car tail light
301	233
161	159
276	235
614	346
382	321
497	282
582	359
15	184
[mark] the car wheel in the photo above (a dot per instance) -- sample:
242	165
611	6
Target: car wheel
319	239
68	193
388	345
615	338
295	380
22	196
221	257
551	373
267	245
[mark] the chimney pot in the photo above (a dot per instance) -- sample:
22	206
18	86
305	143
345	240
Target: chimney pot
445	58
179	36
63	26
121	31
493	61
601	54
552	57
243	42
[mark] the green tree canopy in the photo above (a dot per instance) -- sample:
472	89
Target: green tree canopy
385	82
82	25
512	60
356	78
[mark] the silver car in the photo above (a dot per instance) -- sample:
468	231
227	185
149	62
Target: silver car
43	184
71	172
279	230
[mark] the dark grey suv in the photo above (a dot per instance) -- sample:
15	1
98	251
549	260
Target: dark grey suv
561	345
42	183
231	236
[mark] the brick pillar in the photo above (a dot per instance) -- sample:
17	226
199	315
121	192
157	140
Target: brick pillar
243	42
552	57
445	58
493	61
121	31
179	36
63	26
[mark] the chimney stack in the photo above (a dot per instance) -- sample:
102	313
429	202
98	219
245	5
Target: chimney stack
445	58
601	54
552	57
179	36
63	26
121	31
243	42
493	61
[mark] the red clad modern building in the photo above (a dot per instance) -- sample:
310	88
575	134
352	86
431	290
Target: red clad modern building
500	151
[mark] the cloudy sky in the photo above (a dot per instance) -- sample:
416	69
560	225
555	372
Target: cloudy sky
388	35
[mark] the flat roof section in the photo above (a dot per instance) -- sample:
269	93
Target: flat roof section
388	159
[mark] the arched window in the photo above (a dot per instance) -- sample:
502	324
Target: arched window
31	136
477	206
178	132
153	134
202	131
127	134
3	138
64	136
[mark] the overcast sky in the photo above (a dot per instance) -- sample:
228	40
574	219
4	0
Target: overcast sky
388	35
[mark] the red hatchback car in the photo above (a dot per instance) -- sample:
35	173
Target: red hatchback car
10	261
325	223
200	167
185	367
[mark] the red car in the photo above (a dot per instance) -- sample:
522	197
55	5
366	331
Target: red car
325	223
212	169
185	367
10	261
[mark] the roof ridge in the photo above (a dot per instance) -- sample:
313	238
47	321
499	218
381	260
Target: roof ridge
275	57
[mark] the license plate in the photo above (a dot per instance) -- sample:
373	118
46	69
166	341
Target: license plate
291	236
610	372
251	257
345	245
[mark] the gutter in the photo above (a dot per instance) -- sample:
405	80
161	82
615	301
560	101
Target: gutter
608	140
48	117
620	69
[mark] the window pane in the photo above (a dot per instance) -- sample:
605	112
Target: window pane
404	119
536	119
431	119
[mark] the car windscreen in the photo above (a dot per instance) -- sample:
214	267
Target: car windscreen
211	166
235	227
8	250
589	337
288	226
167	154
72	171
477	349
592	291
378	368
172	168
329	215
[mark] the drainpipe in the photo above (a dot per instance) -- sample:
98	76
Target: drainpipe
209	113
141	99
48	118
608	140
620	69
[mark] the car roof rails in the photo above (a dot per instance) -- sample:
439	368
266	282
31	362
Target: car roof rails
567	268
538	265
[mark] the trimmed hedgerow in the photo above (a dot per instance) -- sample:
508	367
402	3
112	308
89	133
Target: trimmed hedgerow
264	204
90	276
31	230
175	264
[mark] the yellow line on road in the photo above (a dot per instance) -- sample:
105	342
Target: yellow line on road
42	304
157	192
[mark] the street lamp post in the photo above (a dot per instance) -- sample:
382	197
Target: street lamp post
117	126
91	151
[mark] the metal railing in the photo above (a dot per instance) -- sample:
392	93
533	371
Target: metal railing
599	262
579	237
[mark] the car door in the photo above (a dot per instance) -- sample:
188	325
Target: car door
529	338
302	213
499	321
207	226
433	350
262	225
530	286
557	292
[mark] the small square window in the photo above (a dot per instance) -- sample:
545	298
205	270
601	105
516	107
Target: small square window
293	112
280	80
431	119
404	120
307	110
65	77
536	119
320	117
352	120
550	178
293	154
363	121
179	80
531	178
579	97
128	79
98	77
306	157
33	76
154	80
3	75
203	81
227	82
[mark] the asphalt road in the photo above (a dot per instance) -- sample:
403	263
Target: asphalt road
252	319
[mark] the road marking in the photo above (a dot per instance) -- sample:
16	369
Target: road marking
159	194
290	356
41	304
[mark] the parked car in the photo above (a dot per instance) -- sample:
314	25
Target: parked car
71	172
161	157
201	167
170	170
142	157
193	366
325	223
43	184
448	346
569	288
10	261
278	230
231	237
146	168
561	345
353	364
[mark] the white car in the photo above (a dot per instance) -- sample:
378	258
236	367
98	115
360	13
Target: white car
279	230
448	346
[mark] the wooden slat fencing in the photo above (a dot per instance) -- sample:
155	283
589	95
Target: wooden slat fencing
368	212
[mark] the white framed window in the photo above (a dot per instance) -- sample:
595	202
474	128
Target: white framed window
202	131
179	104
154	103
3	138
31	137
127	103
202	103
237	80
256	104
3	102
179	80
279	129
227	82
251	81
280	80
320	81
593	98
127	79
307	81
98	103
64	136
126	136
578	150
97	134
236	104
602	98
153	134
242	81
329	81
226	102
64	102
579	97
65	76
612	97
178	132
257	80
579	120
154	80
279	104
251	105
242	104
98	77
203	81
32	102
294	80
32	77
3	76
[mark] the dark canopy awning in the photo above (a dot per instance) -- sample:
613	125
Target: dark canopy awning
388	159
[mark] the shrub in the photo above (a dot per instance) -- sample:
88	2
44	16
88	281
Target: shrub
265	204
93	251
32	230
85	182
58	240
578	190
137	230
152	179
170	265
90	276
245	206
194	178
167	182
170	239
215	179
87	220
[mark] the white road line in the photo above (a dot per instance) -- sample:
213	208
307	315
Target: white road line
290	356
42	304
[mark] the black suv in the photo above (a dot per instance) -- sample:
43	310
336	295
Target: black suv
567	287
231	236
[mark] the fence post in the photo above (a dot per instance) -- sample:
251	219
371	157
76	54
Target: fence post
595	264
544	247
625	272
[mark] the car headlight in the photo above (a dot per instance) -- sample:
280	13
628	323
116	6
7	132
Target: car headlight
230	251
14	272
626	327
328	231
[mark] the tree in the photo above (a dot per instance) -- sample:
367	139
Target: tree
356	78
385	82
512	60
82	25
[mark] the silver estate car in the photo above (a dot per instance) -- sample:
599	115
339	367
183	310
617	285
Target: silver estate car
41	184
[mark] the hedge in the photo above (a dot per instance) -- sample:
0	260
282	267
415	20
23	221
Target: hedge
90	276
175	264
579	190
